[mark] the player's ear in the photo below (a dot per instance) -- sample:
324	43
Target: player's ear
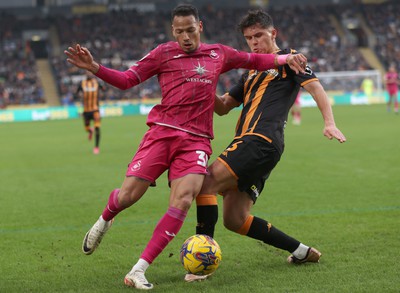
274	32
173	31
200	26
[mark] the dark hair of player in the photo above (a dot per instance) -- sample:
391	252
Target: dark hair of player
185	10
254	17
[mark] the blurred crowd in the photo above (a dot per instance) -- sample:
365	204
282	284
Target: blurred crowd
116	40
19	82
119	38
385	23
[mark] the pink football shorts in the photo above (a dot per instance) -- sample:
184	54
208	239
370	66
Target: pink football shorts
164	148
392	90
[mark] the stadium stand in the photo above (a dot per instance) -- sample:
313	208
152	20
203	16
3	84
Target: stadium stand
19	82
383	20
335	37
121	38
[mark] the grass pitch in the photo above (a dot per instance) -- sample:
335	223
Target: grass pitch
344	199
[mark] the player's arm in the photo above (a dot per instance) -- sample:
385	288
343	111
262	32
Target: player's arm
224	104
239	59
321	98
82	58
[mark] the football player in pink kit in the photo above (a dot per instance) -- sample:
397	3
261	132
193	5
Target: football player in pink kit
178	139
392	87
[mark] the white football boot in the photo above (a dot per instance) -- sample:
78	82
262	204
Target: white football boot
313	255
137	280
94	235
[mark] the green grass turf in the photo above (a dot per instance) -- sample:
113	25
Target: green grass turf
344	199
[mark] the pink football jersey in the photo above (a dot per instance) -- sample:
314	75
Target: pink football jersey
188	81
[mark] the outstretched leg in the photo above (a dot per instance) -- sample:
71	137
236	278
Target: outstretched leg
237	218
131	191
183	192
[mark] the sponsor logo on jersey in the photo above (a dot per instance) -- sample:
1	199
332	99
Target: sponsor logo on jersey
308	70
91	89
136	167
202	80
200	70
255	190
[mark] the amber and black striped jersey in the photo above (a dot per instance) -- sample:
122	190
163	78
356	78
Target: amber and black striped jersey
267	97
90	89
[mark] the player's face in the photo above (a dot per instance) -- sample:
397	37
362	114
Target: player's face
260	40
186	31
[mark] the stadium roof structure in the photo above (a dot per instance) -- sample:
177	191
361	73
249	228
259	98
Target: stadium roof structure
163	3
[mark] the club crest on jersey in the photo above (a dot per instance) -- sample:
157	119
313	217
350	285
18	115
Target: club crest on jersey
214	55
273	73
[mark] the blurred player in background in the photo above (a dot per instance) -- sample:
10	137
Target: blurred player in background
392	87
240	172
367	87
89	91
296	110
180	127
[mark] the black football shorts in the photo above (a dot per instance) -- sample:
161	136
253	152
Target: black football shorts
88	116
251	159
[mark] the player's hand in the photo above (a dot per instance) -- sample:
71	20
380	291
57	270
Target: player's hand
82	58
297	62
333	132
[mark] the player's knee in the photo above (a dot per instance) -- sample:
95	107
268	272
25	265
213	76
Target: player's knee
237	223
186	203
182	202
230	224
125	199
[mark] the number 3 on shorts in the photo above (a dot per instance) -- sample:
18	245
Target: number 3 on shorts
203	158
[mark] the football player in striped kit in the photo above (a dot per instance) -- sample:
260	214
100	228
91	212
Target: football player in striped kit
89	89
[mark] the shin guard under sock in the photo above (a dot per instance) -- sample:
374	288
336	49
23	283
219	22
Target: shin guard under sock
165	231
264	231
112	209
207	214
